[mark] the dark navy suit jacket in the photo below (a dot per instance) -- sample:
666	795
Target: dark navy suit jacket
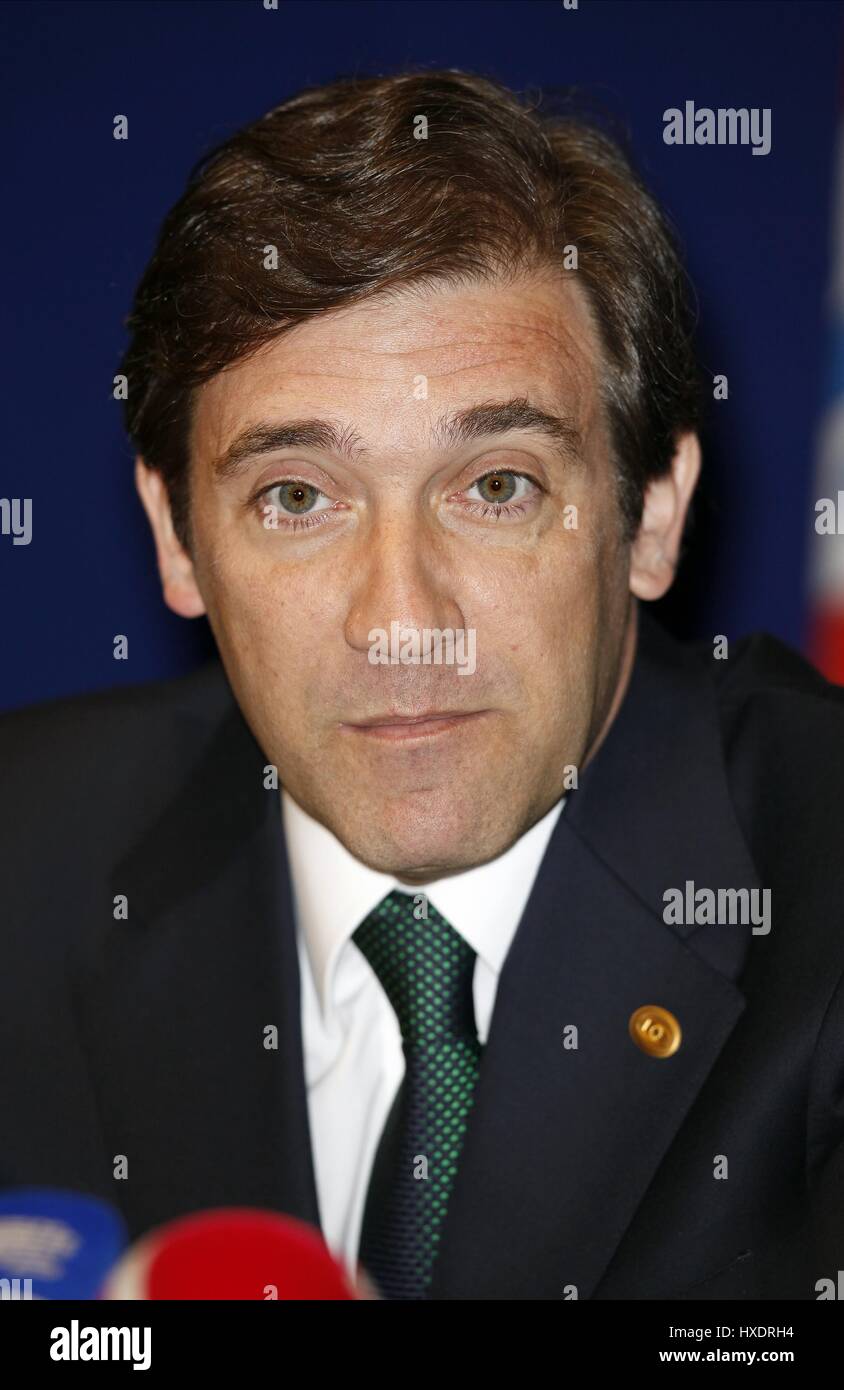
590	1168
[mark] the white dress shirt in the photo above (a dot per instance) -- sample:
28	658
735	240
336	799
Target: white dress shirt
354	1063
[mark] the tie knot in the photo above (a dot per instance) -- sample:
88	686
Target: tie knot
425	967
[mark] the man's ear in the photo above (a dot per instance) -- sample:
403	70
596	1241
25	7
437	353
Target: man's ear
175	566
656	550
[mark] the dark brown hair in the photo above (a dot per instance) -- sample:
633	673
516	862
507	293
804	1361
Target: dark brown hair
336	179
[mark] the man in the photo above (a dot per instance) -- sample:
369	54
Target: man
460	910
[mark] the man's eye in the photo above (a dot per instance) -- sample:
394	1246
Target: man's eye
501	488
295	498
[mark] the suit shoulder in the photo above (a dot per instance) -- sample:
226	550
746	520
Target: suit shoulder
782	731
763	672
77	740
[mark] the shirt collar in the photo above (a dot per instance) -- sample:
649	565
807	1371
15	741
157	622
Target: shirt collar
333	891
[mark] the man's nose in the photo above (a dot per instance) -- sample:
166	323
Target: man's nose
400	575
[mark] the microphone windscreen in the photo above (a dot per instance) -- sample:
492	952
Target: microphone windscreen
230	1253
56	1244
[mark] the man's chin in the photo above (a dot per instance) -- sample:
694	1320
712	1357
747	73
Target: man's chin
422	859
414	870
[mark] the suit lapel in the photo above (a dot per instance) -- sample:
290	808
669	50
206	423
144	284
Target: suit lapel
185	991
563	1143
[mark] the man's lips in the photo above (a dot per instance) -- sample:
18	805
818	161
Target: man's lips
411	726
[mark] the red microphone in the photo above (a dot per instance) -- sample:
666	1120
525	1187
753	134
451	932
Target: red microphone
232	1253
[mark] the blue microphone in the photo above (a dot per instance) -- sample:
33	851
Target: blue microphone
56	1244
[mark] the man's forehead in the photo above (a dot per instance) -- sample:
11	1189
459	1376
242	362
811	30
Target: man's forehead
440	347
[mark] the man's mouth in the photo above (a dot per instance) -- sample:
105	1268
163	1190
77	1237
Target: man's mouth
403	727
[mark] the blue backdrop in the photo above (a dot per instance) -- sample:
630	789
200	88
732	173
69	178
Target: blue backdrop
82	211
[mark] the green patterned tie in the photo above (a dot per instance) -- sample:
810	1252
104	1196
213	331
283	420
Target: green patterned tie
426	969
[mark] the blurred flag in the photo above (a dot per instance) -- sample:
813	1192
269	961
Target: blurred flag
826	621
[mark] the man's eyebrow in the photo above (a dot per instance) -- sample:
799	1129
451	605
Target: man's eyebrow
290	434
499	417
456	427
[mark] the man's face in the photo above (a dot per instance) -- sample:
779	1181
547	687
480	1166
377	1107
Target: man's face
427	512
